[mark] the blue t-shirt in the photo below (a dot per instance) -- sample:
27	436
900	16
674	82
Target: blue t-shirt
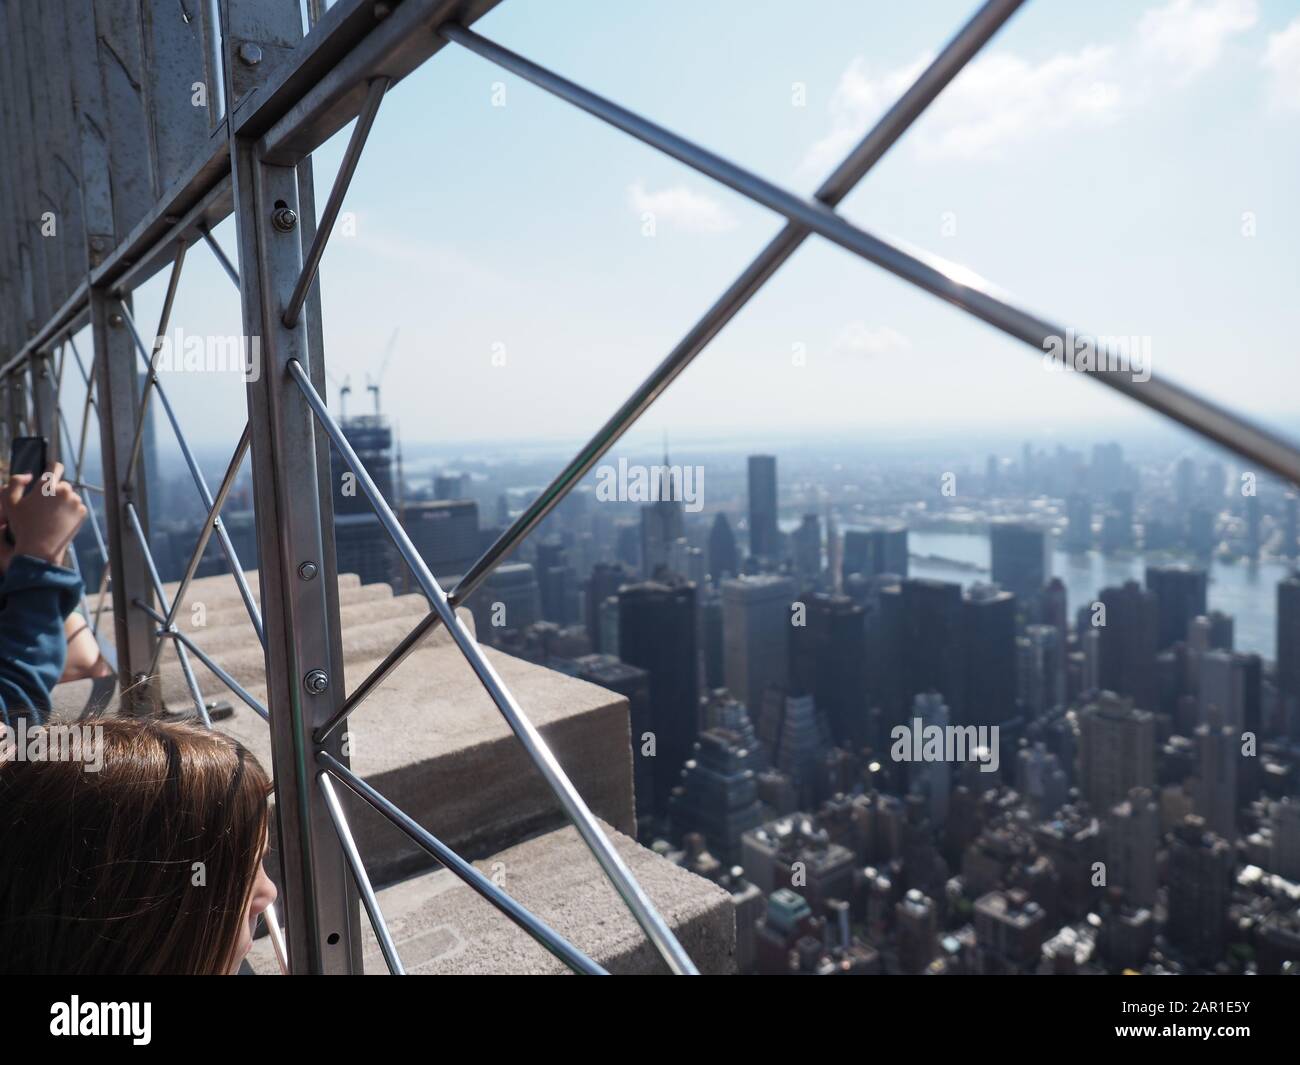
35	598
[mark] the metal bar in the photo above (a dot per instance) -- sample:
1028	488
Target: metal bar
97	489
205	534
199	705
222	258
227	548
151	377
348	167
575	807
305	674
176	634
893	124
936	277
117	389
366	889
551	940
275	933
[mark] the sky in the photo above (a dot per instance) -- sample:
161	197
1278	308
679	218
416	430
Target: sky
1118	167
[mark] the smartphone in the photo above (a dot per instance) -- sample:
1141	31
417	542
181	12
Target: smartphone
28	455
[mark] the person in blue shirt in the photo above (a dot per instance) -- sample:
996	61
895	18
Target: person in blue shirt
37	593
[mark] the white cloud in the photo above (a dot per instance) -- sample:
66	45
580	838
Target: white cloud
1282	57
858	338
683	208
994	102
1189	35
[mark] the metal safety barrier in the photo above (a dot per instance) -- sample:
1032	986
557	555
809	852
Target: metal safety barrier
255	163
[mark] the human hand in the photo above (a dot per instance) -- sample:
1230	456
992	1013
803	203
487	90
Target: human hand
44	521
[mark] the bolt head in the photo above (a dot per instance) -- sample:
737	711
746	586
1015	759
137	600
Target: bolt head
317	682
307	570
284	219
115	320
250	53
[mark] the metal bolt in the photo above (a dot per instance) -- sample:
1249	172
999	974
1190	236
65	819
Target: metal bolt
284	219
317	681
307	570
250	53
116	320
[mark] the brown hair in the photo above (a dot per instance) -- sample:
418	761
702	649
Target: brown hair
98	870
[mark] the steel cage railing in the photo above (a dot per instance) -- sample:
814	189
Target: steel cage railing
26	405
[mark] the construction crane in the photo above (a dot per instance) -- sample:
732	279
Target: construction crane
373	386
345	390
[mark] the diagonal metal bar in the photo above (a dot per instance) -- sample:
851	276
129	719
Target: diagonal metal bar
893	124
76	472
198	652
205	534
656	929
222	258
199	706
364	887
534	926
227	548
275	932
934	276
351	156
151	378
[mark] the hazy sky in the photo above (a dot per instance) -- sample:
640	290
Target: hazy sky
1101	163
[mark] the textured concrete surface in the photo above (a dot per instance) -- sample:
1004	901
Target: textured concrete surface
442	927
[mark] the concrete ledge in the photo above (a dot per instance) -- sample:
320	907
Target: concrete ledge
442	927
433	742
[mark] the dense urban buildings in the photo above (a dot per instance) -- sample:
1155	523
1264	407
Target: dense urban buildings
1051	726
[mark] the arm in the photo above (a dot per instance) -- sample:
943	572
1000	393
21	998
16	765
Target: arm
37	597
38	593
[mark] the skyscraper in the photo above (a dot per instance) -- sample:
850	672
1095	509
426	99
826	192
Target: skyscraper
1218	750
656	631
1288	643
923	645
1180	596
756	635
875	551
827	661
724	559
764	537
1117	750
1200	875
446	534
1133	839
1127	643
989	650
1021	559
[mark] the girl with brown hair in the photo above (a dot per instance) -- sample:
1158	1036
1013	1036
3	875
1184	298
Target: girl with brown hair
151	865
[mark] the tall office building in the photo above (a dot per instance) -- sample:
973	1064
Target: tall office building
764	537
449	485
1285	857
875	551
1040	672
508	600
1288	644
1200	882
1127	643
756	634
362	545
827	661
1117	750
446	534
662	525
718	794
605	580
1180	596
724	559
1133	840
1218	751
633	683
807	543
1022	560
923	645
932	779
657	633
989	649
